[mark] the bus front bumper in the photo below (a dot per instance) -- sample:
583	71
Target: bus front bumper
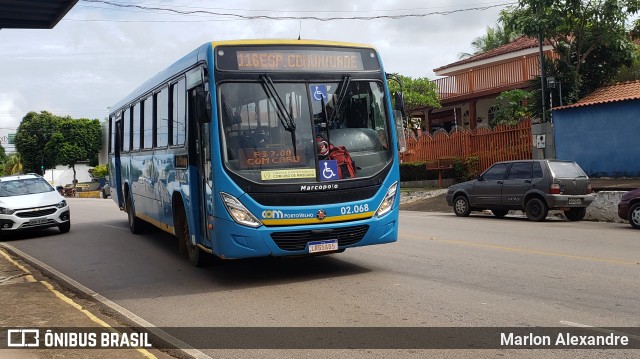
237	241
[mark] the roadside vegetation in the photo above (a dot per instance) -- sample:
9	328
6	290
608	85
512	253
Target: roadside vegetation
44	140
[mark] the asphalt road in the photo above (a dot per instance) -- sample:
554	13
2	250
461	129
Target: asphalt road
444	271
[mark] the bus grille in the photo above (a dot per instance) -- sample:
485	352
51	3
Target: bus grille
36	213
296	241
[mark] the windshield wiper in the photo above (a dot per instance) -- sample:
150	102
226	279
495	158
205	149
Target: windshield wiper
342	94
286	117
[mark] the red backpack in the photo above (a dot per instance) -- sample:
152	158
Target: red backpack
346	165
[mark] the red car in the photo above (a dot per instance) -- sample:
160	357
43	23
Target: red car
629	207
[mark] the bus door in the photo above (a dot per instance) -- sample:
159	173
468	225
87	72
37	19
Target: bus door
205	178
116	181
201	153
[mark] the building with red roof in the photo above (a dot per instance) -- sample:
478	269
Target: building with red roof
467	88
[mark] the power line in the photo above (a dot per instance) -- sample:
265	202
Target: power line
288	17
497	3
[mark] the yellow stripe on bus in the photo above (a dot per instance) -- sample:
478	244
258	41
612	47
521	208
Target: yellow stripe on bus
288	222
165	227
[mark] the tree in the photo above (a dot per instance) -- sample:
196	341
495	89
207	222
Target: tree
584	34
75	140
99	171
511	107
46	140
13	165
494	38
630	72
3	160
34	132
417	93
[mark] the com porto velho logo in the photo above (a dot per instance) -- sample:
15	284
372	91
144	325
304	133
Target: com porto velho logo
277	214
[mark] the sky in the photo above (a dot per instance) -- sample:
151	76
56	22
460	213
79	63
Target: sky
98	53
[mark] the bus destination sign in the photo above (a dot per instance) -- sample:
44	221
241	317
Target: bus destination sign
298	60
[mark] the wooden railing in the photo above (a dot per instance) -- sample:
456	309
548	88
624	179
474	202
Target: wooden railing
517	71
489	145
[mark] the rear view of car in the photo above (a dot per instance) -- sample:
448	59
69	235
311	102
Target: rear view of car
29	202
629	207
570	189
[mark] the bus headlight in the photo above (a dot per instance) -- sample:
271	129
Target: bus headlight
238	211
387	202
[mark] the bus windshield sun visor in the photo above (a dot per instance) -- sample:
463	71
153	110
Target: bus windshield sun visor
286	117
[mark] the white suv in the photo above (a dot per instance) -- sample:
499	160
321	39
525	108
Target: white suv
29	201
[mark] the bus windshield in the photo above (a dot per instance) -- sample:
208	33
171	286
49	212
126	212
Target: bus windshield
260	122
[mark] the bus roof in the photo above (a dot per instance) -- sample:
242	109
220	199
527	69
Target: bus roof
200	54
186	62
289	42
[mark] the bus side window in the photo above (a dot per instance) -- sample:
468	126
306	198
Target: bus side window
147	123
126	133
136	126
162	118
178	124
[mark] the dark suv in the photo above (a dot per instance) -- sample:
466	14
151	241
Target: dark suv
532	186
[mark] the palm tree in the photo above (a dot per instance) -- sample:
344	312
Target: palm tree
13	165
494	38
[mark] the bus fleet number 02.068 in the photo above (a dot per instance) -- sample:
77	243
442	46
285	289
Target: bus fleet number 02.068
358	208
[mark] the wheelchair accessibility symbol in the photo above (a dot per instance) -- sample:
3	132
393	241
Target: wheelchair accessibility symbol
319	92
329	170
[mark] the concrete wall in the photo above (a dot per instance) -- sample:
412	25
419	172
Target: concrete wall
63	175
603	139
605	207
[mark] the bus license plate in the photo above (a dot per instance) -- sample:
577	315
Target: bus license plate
323	246
575	201
38	221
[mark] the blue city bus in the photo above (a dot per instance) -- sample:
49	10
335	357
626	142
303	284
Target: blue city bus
227	150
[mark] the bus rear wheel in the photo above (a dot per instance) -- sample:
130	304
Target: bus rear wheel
135	224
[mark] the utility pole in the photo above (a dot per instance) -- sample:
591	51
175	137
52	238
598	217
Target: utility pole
542	77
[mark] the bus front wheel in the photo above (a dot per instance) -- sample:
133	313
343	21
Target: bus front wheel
194	253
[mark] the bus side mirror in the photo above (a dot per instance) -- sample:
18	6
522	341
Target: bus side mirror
203	105
399	102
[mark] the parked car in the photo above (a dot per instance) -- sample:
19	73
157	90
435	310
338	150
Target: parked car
29	201
532	186
629	207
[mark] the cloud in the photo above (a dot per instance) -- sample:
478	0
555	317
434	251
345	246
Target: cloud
98	54
11	112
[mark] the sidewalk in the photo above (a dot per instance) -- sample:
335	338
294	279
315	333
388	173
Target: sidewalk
607	190
30	300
